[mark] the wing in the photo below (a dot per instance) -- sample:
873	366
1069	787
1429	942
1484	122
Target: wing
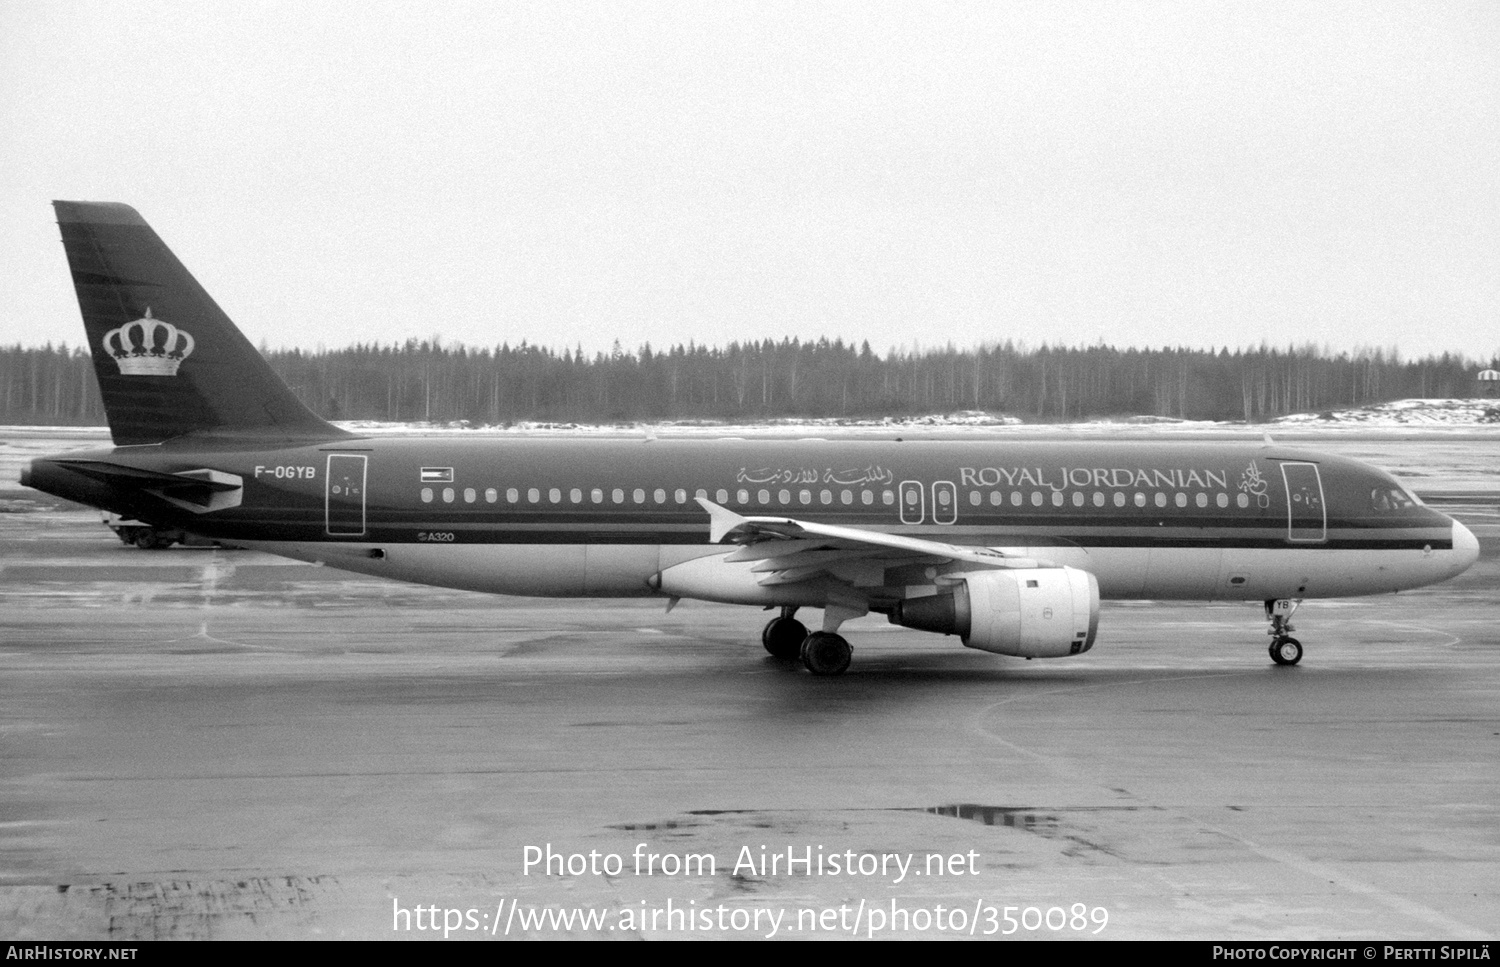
789	551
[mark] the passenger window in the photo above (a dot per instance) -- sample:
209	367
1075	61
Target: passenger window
596	495
617	495
491	495
447	495
680	496
512	495
469	495
426	495
554	495
575	495
639	496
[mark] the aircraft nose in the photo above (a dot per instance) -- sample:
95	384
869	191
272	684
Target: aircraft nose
1465	548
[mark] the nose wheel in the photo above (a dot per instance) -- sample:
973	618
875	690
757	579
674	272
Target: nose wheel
1285	650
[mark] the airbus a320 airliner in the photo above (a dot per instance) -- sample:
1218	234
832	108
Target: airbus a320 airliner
1010	545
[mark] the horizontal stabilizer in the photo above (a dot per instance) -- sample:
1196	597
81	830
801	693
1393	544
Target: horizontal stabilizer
135	478
195	490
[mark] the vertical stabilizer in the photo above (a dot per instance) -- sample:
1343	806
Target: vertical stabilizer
168	360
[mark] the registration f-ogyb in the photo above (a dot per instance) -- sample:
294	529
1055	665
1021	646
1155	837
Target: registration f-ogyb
1009	545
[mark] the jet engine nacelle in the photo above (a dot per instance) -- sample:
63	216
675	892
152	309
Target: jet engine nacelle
1038	613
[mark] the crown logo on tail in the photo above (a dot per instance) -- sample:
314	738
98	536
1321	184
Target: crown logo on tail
148	347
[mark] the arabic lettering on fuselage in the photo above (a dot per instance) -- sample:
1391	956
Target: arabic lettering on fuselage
1048	478
811	475
1115	478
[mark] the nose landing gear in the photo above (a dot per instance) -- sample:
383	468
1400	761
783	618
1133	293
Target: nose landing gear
1285	650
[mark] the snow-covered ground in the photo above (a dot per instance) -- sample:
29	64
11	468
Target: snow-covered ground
1437	415
884	426
1407	413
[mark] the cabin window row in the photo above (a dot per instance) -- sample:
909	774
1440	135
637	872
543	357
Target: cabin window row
825	497
660	495
1159	499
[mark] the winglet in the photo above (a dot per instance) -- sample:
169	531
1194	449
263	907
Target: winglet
721	520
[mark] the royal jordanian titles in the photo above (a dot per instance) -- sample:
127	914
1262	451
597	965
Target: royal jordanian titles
1010	545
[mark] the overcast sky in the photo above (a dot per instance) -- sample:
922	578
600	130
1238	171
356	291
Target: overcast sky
1146	174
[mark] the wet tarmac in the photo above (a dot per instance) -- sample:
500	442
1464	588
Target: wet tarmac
204	743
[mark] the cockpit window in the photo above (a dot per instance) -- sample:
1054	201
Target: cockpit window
1391	499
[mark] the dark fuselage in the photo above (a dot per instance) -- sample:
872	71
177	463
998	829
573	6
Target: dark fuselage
1195	520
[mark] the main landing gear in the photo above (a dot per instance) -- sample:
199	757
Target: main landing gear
783	636
822	652
826	653
1285	650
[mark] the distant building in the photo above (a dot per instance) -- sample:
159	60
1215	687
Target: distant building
1487	383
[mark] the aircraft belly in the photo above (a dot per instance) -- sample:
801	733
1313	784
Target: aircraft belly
619	570
544	570
1251	574
1187	573
1263	574
689	571
1120	571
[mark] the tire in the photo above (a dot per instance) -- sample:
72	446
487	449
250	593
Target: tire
826	654
1286	651
783	638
